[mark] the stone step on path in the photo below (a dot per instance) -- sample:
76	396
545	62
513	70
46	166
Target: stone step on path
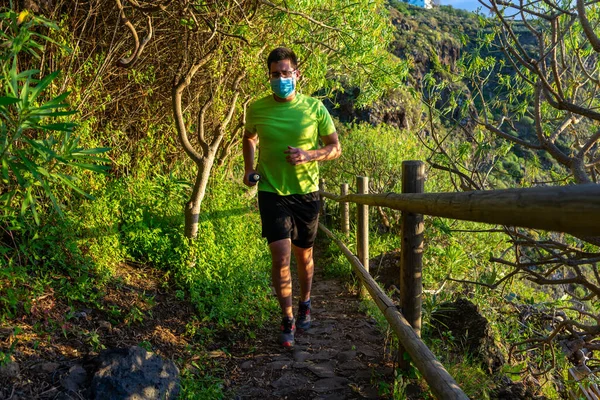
342	356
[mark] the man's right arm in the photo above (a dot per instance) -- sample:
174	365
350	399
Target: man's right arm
249	142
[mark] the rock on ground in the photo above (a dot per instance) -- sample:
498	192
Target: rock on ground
134	374
470	330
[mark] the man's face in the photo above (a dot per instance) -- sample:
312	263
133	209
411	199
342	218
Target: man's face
283	69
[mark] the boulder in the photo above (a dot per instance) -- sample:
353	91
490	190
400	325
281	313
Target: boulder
9	370
470	330
75	379
134	374
509	390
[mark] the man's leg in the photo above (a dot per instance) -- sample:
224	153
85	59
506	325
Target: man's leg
306	267
281	276
282	282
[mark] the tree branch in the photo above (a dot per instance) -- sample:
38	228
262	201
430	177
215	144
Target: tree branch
201	129
303	15
512	138
474	185
587	27
550	147
149	9
176	95
584	69
488	285
127	62
229	116
588	145
571	120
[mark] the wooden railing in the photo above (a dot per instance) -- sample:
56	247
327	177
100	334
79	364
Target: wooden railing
571	209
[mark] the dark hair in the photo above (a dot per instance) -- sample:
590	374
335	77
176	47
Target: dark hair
282	53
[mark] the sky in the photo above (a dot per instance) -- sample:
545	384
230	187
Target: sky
469	5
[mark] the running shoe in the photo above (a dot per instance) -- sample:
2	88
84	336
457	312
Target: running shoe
288	329
304	320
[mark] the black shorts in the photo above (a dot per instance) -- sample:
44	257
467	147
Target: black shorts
294	217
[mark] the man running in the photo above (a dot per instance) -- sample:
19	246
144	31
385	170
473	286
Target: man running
290	127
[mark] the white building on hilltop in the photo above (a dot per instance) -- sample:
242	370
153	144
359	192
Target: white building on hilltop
423	3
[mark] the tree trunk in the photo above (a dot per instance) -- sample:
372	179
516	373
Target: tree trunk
579	173
192	207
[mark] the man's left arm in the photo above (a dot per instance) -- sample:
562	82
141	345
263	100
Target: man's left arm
330	150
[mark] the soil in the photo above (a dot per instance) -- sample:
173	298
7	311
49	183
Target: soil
54	337
342	356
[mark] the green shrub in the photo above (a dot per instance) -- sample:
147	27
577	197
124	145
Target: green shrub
231	263
375	152
39	147
42	259
227	265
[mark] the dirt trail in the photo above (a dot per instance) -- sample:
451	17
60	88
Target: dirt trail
342	356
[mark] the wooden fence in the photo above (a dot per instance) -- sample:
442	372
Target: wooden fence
571	209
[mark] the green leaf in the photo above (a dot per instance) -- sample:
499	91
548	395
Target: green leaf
14	86
4	101
28	74
25	204
33	208
56	102
53	26
67	180
29	165
44	112
25	94
35	92
60	126
5	168
44	172
92	159
52	197
95	150
41	147
59	113
16	168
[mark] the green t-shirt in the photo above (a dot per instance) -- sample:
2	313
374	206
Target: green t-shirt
296	123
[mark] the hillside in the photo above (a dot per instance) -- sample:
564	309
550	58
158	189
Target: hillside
125	221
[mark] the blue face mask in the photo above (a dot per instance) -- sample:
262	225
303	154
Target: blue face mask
283	87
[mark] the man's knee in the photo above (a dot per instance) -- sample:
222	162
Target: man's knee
280	253
303	255
281	263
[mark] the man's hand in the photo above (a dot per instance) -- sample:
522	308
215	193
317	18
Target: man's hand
247	176
296	156
331	150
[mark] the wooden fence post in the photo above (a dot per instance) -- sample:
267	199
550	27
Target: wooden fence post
411	260
323	210
345	208
362	229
